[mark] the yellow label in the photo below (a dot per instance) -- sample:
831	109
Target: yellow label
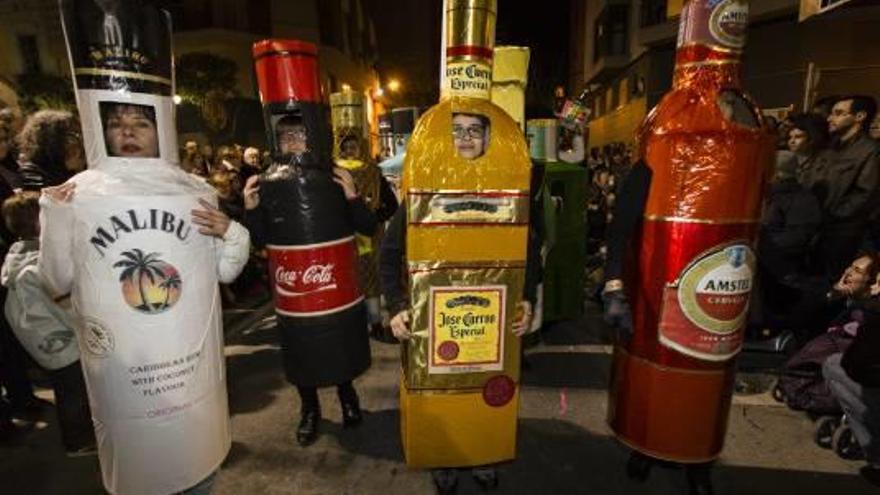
468	78
467	329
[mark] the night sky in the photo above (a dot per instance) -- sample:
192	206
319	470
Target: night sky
408	35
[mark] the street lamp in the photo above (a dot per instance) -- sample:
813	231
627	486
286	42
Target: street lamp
346	87
378	93
393	85
177	99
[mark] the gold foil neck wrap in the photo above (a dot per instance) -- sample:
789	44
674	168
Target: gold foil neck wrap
460	207
469	30
417	350
348	119
471	23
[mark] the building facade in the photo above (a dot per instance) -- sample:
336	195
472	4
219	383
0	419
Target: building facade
623	50
31	41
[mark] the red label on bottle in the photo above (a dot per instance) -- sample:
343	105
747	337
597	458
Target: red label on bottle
315	279
719	24
704	311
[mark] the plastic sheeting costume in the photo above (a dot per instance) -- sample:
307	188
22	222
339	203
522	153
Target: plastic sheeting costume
306	213
123	238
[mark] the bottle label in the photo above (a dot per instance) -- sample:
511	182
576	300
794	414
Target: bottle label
704	311
314	280
467	329
719	24
468	78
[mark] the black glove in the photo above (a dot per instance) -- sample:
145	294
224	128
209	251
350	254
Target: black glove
618	313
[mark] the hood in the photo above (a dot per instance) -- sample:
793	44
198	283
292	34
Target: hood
22	254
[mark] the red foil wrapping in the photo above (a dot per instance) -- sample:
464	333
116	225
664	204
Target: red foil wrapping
689	285
314	280
282	66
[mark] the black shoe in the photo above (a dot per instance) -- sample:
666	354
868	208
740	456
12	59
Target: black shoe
84	451
351	414
486	477
699	478
31	409
871	474
445	480
638	467
307	432
11	433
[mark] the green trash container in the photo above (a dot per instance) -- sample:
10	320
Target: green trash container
565	189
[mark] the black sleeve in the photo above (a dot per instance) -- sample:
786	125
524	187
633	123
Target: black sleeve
362	219
392	255
255	221
628	211
534	263
387	201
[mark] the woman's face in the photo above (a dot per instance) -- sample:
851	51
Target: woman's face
130	133
798	141
469	136
74	154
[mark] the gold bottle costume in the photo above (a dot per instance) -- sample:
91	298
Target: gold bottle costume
466	245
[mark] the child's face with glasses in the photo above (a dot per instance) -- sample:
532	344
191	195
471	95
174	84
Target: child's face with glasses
292	139
469	136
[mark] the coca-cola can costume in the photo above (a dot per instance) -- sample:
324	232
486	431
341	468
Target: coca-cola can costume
142	278
305	222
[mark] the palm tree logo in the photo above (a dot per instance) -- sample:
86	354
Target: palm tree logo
149	284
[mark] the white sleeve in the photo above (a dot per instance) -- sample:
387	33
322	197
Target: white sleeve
56	245
34	300
234	251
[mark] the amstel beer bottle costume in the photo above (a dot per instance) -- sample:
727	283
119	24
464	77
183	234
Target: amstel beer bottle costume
681	248
144	283
351	151
465	223
308	227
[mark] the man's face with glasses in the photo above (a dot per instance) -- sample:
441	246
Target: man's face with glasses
469	135
842	119
292	139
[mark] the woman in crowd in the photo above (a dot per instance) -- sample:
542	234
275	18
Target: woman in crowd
51	148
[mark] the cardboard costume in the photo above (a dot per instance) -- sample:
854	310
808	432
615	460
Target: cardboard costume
466	242
308	226
144	283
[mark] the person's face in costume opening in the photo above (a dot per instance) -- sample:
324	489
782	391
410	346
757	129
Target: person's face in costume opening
470	134
350	149
292	138
130	132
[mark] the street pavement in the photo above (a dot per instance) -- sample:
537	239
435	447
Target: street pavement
564	445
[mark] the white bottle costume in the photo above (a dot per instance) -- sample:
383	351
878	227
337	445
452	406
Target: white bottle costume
143	280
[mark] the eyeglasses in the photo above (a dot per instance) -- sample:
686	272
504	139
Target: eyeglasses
293	134
472	131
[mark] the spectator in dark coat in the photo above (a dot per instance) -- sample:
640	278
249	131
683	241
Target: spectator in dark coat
789	225
806	138
52	149
848	182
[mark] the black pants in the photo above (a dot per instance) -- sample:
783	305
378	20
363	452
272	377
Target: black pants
13	366
72	406
309	396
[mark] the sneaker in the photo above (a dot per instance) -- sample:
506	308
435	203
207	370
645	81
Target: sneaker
486	477
445	480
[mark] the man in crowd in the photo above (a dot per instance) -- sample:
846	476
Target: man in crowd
848	182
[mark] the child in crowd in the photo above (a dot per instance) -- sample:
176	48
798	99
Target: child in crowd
43	324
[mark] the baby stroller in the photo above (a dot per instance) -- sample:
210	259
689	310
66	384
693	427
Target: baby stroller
834	432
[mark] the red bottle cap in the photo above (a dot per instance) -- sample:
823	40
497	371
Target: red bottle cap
287	70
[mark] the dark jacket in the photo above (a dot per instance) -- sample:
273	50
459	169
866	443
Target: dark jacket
861	361
791	220
848	181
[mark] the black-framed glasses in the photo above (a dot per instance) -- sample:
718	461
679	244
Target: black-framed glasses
292	134
471	131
